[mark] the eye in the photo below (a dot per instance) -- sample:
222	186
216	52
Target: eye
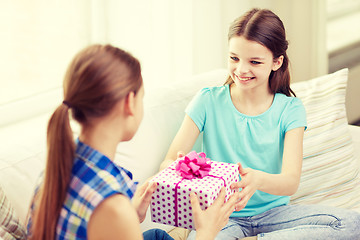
234	59
255	62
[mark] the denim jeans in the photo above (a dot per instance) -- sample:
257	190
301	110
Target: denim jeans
295	222
156	234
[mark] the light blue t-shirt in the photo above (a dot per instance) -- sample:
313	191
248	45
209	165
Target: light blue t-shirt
256	142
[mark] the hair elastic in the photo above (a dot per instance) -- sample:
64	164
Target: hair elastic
66	103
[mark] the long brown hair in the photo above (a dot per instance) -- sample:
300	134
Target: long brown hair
97	78
267	29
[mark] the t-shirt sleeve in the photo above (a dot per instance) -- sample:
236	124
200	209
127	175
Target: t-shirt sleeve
295	115
196	109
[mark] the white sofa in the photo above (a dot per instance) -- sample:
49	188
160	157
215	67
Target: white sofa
328	145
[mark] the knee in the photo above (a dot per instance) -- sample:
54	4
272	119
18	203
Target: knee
350	224
355	221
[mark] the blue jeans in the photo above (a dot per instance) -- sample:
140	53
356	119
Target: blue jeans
294	222
156	234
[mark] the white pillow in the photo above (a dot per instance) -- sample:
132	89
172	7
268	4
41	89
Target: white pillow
22	158
330	173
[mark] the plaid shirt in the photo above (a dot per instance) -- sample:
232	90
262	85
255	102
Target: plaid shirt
94	178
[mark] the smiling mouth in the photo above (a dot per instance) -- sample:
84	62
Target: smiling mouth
244	79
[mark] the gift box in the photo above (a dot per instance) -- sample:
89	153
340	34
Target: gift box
170	203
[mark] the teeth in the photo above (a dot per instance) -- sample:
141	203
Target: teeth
244	78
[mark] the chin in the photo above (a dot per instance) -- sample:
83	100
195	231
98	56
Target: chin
127	137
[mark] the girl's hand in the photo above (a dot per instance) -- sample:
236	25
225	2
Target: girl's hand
180	154
142	198
209	222
250	182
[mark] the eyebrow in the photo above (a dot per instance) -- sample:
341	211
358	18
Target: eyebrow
252	58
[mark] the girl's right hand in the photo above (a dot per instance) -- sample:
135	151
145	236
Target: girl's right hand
180	154
208	223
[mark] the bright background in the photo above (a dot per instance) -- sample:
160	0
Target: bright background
173	40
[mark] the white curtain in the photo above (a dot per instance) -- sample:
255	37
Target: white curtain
172	39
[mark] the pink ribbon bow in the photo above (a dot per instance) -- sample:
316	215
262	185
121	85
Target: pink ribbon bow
193	166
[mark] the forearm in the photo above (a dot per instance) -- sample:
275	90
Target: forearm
166	163
278	184
183	141
170	157
287	182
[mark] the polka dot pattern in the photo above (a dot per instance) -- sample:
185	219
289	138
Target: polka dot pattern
163	201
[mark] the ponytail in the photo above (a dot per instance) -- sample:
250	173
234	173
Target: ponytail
60	155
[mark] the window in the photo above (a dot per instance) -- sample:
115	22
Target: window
342	24
39	39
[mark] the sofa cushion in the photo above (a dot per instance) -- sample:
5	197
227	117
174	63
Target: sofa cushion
330	172
22	158
10	227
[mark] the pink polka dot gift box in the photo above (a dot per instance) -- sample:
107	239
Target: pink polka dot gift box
170	203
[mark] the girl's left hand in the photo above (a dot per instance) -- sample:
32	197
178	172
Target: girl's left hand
142	198
250	182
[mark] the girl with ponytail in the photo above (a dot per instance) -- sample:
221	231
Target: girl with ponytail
256	121
84	194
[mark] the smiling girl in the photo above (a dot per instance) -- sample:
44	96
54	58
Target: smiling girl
256	121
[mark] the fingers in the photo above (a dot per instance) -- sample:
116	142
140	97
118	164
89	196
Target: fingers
146	190
180	154
234	198
241	204
141	189
240	168
231	203
235	186
243	198
151	187
220	198
242	171
227	208
194	201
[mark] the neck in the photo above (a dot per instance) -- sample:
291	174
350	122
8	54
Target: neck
251	101
255	95
100	138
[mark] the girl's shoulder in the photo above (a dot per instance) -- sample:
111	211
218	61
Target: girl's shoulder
282	99
215	91
114	216
289	106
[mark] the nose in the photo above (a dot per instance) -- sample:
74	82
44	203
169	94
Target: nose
242	67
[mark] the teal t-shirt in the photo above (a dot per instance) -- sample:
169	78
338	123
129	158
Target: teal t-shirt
256	142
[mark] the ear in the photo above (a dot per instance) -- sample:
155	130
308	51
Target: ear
277	63
130	104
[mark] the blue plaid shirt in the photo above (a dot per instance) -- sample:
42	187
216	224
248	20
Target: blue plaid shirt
94	178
